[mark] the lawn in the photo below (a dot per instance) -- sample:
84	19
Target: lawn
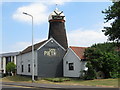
66	81
17	79
97	82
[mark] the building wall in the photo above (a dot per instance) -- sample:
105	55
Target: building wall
0	64
50	60
3	62
78	65
24	60
15	60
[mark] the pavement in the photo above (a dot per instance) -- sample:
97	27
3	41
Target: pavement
53	86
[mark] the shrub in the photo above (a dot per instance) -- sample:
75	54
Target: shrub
91	73
10	67
57	79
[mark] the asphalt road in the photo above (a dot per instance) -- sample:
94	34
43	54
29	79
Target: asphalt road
15	87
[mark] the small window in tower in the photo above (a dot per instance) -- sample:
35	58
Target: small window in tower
51	41
71	66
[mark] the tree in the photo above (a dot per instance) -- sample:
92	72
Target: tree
103	58
91	73
113	13
10	67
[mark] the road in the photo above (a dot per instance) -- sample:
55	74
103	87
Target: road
23	87
14	87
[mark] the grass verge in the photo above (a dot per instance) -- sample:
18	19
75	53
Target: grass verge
16	79
97	82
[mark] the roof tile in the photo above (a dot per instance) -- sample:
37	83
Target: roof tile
79	51
36	46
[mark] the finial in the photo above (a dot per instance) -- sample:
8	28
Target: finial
56	6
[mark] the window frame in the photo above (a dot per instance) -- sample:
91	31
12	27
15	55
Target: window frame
29	69
71	66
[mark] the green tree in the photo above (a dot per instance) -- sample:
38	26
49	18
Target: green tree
91	73
113	13
104	58
10	67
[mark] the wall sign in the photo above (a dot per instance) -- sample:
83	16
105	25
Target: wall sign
50	52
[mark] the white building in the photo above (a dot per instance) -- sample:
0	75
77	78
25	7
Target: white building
5	58
74	62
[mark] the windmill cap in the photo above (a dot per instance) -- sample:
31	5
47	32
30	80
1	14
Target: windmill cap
56	12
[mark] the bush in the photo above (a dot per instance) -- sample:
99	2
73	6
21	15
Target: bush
57	79
10	68
91	73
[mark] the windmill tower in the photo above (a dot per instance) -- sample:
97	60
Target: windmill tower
57	27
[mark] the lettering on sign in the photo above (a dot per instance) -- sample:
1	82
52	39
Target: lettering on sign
50	52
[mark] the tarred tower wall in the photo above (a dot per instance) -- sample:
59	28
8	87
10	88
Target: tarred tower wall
58	32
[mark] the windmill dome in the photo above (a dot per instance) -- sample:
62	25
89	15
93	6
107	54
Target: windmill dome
56	12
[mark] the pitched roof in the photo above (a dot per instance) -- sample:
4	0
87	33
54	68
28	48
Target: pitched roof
36	46
79	51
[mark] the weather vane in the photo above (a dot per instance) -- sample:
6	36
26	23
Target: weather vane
56	5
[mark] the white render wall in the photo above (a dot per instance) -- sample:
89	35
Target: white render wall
3	60
26	59
79	65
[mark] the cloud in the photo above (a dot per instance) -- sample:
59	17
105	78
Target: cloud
85	38
19	46
60	0
39	12
108	24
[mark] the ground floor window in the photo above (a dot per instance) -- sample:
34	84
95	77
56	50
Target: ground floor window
71	66
22	69
28	67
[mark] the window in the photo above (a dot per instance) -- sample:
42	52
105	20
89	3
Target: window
71	66
28	67
22	69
